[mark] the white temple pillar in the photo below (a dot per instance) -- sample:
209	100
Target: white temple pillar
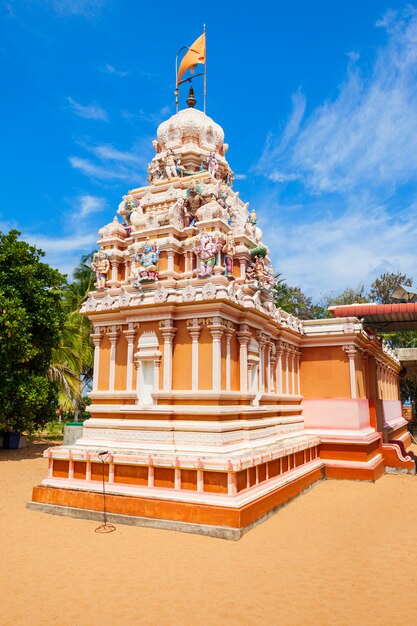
114	268
297	362
194	329
243	336
130	336
242	268
351	351
229	333
171	256
216	331
273	365
187	266
293	372
279	352
262	345
168	332
96	339
112	335
287	373
365	361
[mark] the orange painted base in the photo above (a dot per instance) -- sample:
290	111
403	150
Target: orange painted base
353	473
203	514
351	453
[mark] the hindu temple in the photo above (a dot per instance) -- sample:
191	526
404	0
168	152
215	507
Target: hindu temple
214	407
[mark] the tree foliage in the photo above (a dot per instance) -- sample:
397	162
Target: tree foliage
31	317
384	286
72	359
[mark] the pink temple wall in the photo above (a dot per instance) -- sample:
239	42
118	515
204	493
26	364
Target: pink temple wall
336	413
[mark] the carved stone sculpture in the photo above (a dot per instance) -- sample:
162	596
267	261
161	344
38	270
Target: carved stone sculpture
147	269
193	202
229	250
100	265
206	248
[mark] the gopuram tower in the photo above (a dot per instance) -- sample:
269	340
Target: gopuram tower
196	393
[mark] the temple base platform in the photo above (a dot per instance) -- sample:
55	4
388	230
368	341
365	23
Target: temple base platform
222	498
215	520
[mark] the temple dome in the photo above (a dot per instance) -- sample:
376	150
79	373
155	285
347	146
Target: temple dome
190	126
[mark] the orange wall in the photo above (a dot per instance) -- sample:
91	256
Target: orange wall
121	362
181	357
103	375
360	376
163	262
234	364
205	359
223	362
324	372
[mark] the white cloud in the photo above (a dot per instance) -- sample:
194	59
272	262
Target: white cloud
152	118
63	253
240	176
368	134
111	163
355	161
83	8
100	172
90	204
332	252
108	152
110	69
90	111
281	177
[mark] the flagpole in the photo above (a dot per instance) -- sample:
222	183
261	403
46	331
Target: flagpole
205	70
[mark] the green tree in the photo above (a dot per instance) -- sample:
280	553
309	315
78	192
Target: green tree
31	317
293	300
384	286
72	359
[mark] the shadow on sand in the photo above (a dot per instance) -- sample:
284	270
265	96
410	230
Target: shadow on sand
34	450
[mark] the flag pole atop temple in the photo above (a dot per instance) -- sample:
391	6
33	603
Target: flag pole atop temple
196	55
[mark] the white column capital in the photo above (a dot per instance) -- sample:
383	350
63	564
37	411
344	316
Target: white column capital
350	351
96	338
168	330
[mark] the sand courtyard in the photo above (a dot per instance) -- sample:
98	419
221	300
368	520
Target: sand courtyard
343	553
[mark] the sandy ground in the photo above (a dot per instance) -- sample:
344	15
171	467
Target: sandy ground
343	553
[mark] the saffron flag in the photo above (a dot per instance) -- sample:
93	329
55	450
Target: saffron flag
196	54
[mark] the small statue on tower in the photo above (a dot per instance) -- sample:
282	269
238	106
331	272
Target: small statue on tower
100	265
193	201
229	250
127	207
170	166
206	248
212	164
147	269
229	178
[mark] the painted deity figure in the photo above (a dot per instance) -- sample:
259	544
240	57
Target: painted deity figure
252	219
193	202
176	213
229	250
212	164
222	194
127	207
206	248
100	265
229	178
154	170
259	274
147	268
170	166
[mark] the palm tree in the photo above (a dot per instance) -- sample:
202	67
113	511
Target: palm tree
72	361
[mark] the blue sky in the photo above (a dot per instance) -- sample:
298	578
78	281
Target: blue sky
317	100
